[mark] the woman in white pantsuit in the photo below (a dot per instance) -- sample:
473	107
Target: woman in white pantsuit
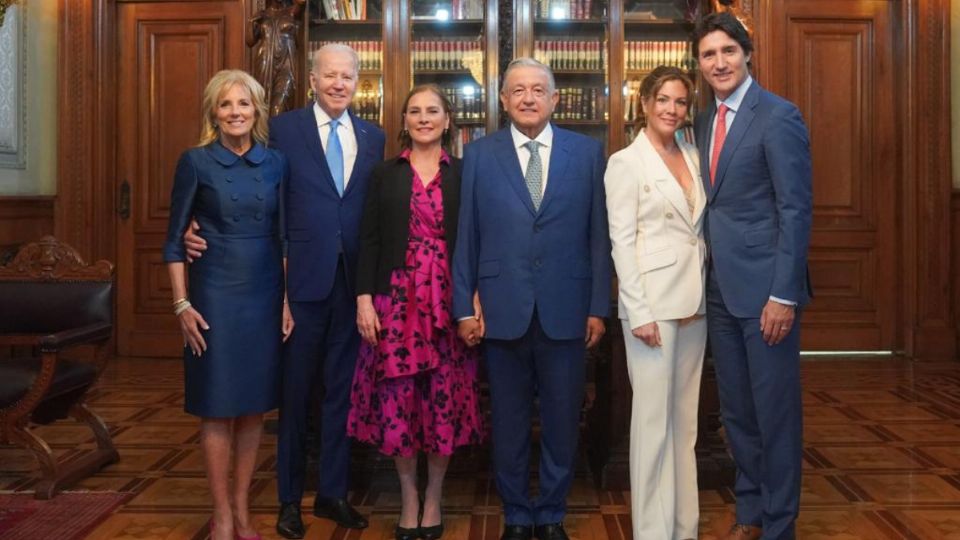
655	202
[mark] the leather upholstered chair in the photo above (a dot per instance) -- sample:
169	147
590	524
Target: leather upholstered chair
51	301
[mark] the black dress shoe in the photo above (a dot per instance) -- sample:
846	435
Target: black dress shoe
403	533
339	511
517	532
553	531
289	523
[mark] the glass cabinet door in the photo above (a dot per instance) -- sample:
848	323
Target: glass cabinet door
447	48
655	33
571	36
358	23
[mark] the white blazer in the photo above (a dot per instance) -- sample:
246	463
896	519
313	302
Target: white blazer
658	249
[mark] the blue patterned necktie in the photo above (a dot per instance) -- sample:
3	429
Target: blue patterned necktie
534	176
335	156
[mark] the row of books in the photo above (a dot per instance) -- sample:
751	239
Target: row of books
646	55
467	102
370	52
443	55
564	9
466	135
571	54
338	10
581	104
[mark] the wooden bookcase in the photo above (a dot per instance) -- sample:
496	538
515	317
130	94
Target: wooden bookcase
593	46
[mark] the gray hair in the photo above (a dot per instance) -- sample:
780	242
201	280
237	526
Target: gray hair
526	61
340	48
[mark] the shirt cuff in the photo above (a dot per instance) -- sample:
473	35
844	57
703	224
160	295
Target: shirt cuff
782	301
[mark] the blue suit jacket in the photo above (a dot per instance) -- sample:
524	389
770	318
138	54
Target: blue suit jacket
321	224
556	259
759	208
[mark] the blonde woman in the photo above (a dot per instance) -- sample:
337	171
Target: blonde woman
655	204
233	316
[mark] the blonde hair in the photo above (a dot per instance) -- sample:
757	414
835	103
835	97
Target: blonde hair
218	86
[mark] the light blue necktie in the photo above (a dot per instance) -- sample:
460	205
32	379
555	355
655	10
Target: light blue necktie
335	156
534	176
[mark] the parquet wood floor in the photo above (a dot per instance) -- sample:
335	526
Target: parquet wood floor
882	460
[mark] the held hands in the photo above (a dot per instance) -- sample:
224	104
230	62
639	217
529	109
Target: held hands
367	321
595	331
776	320
472	330
194	244
287	325
190	324
648	333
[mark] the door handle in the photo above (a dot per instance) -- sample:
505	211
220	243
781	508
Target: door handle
123	208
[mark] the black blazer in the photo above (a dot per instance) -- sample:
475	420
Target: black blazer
385	226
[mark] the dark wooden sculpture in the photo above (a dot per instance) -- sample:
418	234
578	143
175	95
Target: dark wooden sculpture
274	35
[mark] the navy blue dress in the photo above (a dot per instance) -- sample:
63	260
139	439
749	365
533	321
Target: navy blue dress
237	286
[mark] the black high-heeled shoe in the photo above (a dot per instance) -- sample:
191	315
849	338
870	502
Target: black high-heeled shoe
433	532
405	533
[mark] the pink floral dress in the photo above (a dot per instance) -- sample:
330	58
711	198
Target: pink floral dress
417	388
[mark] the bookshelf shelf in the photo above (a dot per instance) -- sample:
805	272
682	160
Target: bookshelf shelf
347	22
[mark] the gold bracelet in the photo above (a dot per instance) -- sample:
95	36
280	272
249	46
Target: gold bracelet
181	307
178	300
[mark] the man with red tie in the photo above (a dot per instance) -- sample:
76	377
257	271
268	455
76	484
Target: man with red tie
755	153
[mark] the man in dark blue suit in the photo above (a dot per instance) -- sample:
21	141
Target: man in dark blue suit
331	154
533	242
755	152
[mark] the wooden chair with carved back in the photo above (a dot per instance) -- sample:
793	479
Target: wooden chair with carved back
51	302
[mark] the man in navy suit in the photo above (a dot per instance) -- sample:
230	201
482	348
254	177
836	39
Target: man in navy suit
533	242
331	154
755	159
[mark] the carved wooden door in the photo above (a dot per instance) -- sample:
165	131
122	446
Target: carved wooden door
835	60
167	53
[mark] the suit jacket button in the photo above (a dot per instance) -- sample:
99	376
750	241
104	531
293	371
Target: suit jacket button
646	188
259	196
693	241
669	215
236	217
537	263
235	197
258	216
258	179
228	179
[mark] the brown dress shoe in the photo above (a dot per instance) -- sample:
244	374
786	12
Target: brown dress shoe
740	531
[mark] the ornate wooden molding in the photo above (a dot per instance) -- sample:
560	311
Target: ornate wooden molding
51	260
85	170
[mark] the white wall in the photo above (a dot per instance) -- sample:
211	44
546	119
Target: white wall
40	175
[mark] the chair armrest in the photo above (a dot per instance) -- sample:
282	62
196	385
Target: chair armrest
84	334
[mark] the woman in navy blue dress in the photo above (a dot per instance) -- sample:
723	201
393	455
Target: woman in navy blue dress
233	317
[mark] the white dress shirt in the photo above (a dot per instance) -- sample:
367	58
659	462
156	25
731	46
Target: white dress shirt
348	139
733	102
545	138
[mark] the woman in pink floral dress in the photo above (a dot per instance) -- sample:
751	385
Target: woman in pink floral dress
415	387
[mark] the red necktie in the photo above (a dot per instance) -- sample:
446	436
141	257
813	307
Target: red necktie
719	134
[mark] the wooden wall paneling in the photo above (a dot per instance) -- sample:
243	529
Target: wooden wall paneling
955	249
931	332
84	207
24	219
835	61
167	53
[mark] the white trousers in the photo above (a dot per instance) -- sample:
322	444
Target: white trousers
664	499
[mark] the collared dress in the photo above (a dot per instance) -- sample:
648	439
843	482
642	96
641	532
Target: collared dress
417	389
237	285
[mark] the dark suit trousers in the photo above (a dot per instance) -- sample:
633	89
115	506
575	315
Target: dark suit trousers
759	388
518	370
324	344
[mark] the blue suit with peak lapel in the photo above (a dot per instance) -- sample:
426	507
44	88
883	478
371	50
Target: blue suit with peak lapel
758	231
323	237
540	274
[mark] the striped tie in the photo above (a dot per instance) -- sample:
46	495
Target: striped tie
534	176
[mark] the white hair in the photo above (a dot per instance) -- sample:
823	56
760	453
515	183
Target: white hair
340	48
526	61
